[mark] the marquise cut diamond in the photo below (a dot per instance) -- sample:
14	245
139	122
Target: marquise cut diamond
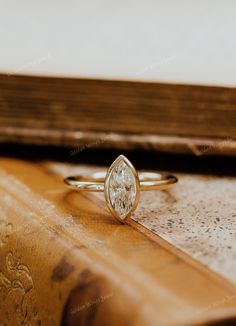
122	189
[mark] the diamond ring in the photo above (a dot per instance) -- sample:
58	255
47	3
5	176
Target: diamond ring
121	185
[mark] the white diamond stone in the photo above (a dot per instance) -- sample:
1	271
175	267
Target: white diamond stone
122	189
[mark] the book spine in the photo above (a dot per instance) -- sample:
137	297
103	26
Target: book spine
46	277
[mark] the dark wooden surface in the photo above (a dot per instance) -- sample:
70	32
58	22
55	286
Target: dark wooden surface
118	114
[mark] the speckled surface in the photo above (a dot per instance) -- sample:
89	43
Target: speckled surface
197	215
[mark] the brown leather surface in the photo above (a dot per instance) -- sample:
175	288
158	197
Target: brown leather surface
65	261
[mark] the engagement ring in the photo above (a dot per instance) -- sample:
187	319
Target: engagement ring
121	185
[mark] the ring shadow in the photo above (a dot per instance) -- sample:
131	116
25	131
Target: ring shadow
88	208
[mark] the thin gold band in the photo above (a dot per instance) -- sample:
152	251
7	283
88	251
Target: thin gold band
95	182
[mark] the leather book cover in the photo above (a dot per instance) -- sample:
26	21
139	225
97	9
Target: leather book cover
65	261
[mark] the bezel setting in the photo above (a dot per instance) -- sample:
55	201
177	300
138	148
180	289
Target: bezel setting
121	190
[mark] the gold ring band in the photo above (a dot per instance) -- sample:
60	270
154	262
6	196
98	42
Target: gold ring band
121	185
95	182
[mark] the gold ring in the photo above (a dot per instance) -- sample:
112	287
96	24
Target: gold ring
122	185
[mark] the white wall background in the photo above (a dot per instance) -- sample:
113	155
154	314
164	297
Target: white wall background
175	41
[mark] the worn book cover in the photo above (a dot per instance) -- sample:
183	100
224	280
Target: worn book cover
66	261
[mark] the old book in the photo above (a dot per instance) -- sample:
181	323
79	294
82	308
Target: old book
65	261
119	83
